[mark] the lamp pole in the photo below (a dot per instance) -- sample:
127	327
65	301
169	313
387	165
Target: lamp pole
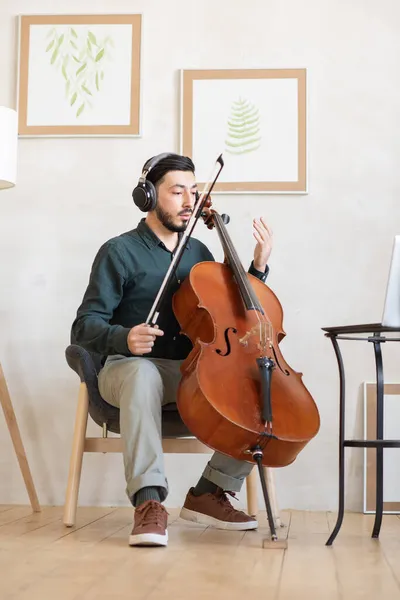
8	176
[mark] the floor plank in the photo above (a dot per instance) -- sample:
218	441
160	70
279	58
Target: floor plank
32	557
4	507
41	559
15	513
30	523
366	567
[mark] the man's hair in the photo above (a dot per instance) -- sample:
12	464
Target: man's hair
172	162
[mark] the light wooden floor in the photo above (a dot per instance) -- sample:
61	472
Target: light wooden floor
42	560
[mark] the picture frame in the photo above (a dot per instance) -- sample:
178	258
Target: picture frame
257	118
391	490
79	75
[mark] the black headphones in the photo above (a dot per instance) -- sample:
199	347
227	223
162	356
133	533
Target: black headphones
144	194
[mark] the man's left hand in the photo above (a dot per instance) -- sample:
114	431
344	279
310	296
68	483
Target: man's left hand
263	248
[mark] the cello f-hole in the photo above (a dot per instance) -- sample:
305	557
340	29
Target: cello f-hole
228	344
284	371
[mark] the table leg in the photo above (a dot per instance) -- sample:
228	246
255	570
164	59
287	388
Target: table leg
379	436
341	441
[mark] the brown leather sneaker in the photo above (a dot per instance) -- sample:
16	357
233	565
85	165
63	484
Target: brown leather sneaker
150	525
216	510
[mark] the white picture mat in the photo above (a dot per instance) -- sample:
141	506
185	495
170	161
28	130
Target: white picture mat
391	456
47	104
277	102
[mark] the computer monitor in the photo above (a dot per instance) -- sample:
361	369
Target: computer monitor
391	309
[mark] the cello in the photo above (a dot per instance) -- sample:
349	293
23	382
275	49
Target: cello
237	394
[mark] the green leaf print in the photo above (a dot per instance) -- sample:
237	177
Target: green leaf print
243	134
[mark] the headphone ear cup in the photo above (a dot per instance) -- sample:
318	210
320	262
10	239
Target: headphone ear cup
145	196
152	195
139	196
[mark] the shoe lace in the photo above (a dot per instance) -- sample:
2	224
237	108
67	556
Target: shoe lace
153	513
222	498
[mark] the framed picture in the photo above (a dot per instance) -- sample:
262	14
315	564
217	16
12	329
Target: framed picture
79	75
391	424
256	118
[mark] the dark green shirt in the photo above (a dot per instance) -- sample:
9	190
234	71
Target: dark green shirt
126	276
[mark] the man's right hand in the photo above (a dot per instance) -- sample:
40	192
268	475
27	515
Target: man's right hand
141	338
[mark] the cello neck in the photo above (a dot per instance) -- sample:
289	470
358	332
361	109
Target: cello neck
249	298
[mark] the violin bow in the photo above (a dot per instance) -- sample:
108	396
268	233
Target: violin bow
196	214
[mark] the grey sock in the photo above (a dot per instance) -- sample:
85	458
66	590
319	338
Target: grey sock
146	493
204	486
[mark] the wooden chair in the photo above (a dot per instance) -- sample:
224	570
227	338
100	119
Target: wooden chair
176	437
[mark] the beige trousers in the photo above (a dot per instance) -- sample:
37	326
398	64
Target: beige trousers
139	387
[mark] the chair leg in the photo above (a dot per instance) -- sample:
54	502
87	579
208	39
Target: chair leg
251	488
269	476
252	494
13	428
75	465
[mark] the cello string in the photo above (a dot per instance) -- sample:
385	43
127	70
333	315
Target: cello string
263	321
240	272
260	313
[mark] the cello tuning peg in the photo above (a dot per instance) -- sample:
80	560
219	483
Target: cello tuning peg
225	219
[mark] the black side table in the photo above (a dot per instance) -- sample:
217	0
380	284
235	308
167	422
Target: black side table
375	337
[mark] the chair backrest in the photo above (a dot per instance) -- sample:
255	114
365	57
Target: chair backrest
88	366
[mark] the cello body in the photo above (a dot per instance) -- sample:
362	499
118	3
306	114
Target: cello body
220	393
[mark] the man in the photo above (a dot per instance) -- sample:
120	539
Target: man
141	372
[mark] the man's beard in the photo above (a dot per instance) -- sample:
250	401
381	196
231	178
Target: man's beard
168	222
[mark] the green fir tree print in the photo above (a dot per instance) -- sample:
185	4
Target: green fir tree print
243	128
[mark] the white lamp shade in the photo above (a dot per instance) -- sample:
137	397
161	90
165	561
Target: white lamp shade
8	147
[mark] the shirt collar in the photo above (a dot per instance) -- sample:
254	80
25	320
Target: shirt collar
150	238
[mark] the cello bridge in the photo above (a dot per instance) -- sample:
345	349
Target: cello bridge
263	332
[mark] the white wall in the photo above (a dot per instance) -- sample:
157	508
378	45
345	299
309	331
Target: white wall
332	246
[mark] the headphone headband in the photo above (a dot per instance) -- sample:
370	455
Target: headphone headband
152	162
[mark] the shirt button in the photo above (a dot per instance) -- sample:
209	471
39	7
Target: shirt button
179	280
174	338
